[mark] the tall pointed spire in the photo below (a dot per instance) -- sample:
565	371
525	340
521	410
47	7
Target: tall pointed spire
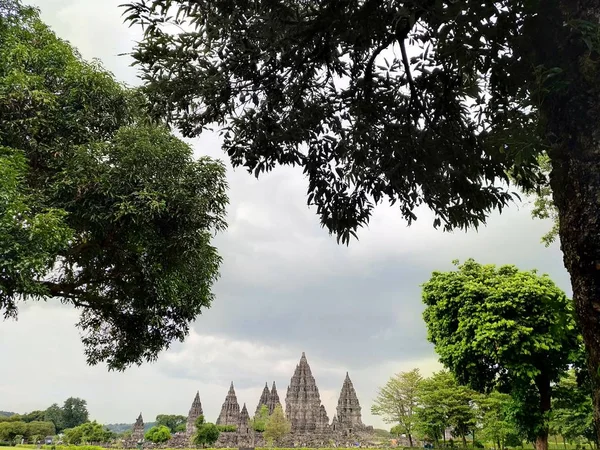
348	409
230	411
264	399
244	419
302	402
137	433
193	414
273	399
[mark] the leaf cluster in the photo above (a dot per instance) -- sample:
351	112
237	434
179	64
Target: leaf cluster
329	87
99	206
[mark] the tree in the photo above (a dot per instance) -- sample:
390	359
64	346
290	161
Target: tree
33	416
101	208
172	421
37	430
329	86
444	404
259	421
277	426
206	433
10	430
158	434
572	412
88	433
397	400
54	414
497	426
502	328
74	412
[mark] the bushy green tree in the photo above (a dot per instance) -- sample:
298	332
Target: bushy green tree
397	400
502	328
277	426
259	421
173	422
10	430
206	433
40	429
572	413
158	434
99	207
497	426
88	433
54	414
75	412
444	404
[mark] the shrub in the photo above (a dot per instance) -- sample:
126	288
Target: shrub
227	428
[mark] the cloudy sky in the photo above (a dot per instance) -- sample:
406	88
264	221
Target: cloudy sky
286	287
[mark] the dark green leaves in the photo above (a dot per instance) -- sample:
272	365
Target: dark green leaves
99	206
324	85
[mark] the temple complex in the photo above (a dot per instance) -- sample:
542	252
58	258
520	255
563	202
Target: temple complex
310	426
230	411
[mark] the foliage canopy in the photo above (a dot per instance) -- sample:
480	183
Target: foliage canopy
98	206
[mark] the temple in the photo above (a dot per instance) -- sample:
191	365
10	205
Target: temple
348	408
230	411
193	414
137	434
264	399
273	400
310	426
302	402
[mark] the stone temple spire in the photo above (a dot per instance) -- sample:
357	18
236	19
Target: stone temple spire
230	411
302	402
137	434
273	399
244	419
323	420
264	399
195	412
348	409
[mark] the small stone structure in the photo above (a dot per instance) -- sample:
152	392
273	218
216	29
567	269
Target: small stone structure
309	421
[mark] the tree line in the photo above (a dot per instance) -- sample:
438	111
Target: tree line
38	424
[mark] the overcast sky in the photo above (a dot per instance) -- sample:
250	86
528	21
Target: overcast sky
286	287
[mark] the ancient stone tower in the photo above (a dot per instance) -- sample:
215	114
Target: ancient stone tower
195	412
348	408
137	433
323	420
273	399
302	402
230	411
244	419
264	399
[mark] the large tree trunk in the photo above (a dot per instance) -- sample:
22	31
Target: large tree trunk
572	120
410	439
